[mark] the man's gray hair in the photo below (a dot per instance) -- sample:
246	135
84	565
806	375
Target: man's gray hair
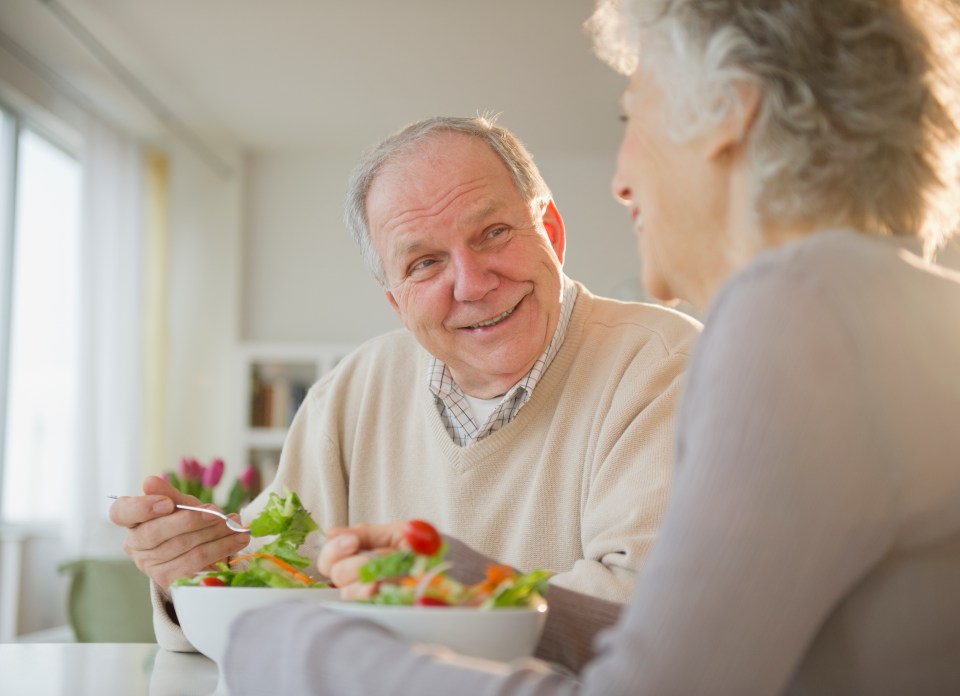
504	144
860	100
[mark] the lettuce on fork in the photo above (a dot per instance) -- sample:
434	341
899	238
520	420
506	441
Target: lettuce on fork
276	564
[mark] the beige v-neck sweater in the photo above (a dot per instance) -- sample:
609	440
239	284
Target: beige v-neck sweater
575	484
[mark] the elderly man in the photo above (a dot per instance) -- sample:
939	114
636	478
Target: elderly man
527	417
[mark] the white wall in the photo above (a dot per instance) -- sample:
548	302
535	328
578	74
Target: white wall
205	251
303	279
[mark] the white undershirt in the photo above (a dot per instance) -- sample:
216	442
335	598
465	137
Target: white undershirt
482	408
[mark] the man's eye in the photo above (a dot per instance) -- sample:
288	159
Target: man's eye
421	265
496	232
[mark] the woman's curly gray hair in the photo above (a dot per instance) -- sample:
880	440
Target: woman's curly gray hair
859	122
504	144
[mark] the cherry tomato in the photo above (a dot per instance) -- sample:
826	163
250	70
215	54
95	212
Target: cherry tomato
213	581
422	537
431	602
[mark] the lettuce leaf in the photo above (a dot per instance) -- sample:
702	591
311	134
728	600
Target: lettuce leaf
285	517
523	590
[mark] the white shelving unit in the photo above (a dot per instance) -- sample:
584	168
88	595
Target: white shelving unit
272	379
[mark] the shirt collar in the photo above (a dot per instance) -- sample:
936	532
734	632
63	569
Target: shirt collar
450	398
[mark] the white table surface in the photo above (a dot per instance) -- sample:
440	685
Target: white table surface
104	669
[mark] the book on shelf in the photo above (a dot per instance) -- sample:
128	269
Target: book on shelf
275	401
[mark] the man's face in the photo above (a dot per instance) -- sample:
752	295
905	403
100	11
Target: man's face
471	270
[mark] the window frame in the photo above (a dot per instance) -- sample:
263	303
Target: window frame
14	123
9	158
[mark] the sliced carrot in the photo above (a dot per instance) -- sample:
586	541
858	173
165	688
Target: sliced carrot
305	579
410	581
496	574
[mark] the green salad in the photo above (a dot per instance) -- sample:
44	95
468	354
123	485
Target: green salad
277	564
418	576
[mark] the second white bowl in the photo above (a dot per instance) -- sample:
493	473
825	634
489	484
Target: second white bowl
495	634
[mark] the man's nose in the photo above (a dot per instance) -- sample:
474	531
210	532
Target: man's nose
473	276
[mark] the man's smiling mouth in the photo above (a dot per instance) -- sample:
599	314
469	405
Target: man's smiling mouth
492	322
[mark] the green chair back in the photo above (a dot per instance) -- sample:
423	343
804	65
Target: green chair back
109	601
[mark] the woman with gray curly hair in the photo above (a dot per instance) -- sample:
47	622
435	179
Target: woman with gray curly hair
791	166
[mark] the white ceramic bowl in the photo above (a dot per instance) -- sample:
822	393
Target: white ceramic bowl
496	634
205	613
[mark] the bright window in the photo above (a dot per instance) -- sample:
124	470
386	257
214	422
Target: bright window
40	439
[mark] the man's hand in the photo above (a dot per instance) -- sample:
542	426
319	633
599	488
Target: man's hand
167	543
349	548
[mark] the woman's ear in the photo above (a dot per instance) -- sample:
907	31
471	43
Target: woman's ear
734	128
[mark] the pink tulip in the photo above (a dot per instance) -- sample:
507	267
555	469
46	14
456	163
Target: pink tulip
213	473
250	477
190	469
185	468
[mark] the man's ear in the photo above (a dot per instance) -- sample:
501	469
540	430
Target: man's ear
734	128
393	303
553	223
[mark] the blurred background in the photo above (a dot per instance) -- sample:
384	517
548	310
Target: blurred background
173	267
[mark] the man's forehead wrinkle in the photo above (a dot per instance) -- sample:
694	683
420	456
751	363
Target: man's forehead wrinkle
440	205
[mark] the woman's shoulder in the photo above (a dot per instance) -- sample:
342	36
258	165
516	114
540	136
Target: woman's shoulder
829	267
837	252
853	291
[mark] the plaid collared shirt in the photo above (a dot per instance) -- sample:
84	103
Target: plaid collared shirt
452	403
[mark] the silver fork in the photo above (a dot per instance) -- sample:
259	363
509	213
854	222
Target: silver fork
231	523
